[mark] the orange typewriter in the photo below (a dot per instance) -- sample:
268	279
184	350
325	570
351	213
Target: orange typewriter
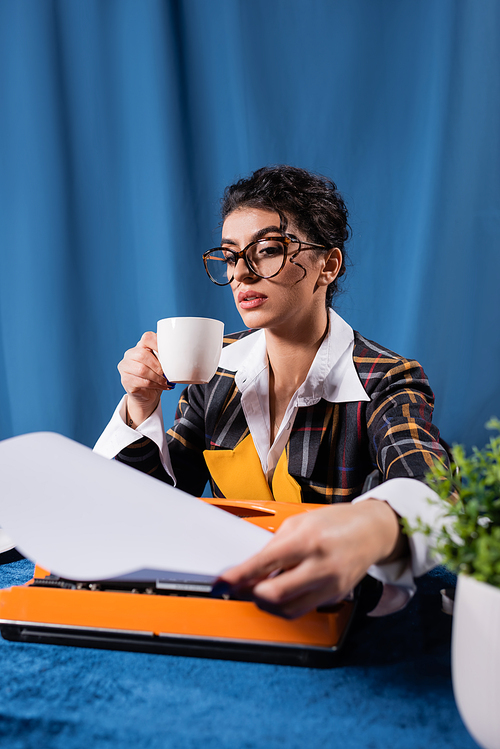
174	615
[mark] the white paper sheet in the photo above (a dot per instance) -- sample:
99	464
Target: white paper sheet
84	517
6	543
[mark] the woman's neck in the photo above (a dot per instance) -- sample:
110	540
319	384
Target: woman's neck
291	355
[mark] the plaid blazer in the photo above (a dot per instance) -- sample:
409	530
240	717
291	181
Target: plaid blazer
333	447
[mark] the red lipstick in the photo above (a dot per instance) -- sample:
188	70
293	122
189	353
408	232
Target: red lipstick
251	299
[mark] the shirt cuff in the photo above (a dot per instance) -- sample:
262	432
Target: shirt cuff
117	435
410	499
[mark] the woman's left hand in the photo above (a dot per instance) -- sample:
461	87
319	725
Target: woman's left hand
320	556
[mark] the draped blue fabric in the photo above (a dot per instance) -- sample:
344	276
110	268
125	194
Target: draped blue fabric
121	121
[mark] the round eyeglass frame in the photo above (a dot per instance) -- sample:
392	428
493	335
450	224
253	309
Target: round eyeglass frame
284	238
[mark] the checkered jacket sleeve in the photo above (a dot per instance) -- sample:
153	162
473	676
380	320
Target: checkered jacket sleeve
402	440
186	444
196	417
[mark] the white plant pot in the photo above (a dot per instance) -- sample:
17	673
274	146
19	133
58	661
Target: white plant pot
476	659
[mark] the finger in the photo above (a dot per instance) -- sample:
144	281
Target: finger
142	363
304	588
298	606
146	355
131	371
248	574
149	340
149	343
277	555
134	385
297	591
131	380
291	583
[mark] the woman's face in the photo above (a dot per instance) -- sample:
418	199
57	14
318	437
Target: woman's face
288	300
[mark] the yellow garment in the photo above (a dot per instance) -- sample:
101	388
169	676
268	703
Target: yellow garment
238	474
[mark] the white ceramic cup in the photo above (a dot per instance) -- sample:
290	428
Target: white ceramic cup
189	348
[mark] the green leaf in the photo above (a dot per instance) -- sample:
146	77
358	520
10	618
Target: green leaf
469	492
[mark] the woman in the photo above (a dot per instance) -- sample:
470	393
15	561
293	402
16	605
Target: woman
301	408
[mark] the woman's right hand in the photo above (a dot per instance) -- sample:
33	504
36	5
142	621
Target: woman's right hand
143	379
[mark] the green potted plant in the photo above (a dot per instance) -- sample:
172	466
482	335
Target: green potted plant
467	540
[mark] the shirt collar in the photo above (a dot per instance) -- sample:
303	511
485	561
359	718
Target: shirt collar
332	375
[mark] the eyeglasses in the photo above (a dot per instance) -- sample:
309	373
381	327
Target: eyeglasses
264	258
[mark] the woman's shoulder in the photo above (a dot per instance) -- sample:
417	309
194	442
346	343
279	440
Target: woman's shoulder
365	349
375	362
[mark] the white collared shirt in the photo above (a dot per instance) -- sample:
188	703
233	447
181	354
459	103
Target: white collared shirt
333	377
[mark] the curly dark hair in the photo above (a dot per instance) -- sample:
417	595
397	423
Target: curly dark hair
310	201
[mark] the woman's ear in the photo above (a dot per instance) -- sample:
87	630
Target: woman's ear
332	267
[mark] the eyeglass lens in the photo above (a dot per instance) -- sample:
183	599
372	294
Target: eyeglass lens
264	257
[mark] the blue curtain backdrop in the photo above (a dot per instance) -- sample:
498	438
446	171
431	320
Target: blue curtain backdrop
121	121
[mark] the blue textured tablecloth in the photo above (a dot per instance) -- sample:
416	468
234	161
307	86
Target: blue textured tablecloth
391	690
